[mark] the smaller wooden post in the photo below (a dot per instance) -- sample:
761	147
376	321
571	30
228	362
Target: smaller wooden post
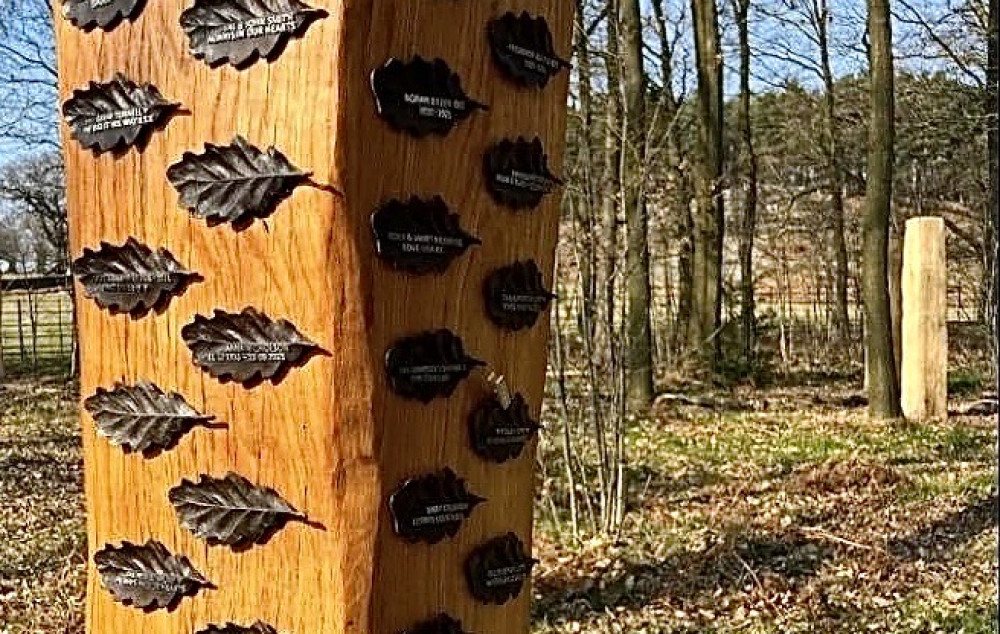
925	321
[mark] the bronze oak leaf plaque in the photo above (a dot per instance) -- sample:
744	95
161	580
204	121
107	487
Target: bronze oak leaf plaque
116	114
428	365
523	50
231	628
421	97
142	417
131	278
499	434
496	571
87	14
441	624
241	31
234	183
515	295
517	173
431	507
247	347
419	236
147	576
230	510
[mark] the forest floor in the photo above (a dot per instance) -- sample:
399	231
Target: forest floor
780	510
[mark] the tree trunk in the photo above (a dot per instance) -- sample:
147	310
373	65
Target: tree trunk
991	273
748	162
883	380
709	213
612	176
835	179
639	333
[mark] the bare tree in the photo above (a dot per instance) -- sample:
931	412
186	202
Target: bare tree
639	332
883	380
35	191
709	216
28	76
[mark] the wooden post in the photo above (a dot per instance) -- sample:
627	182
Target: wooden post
331	437
925	326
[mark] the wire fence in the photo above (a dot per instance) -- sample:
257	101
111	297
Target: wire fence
36	330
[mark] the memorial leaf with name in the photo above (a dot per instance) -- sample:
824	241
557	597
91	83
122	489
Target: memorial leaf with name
441	624
230	510
105	14
147	576
428	365
231	628
496	571
499	434
241	31
419	235
234	183
516	295
116	114
131	278
517	173
421	97
431	507
142	417
246	347
522	48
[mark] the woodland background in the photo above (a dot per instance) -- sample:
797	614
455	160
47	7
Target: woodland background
718	455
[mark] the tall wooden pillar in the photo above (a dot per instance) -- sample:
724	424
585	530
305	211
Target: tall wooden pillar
330	435
924	379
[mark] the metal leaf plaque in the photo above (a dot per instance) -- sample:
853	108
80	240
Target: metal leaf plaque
234	183
428	365
246	347
87	14
431	507
116	114
500	434
230	510
231	628
131	278
517	173
522	47
419	236
516	295
147	576
496	571
421	97
142	417
242	31
441	624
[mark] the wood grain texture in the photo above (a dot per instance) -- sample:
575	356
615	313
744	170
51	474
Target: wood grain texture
331	438
924	379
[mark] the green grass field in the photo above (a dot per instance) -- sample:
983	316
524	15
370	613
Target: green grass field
36	331
789	512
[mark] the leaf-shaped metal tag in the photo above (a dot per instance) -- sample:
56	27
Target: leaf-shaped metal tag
431	507
231	628
131	278
516	295
517	173
246	347
496	571
500	434
522	47
230	510
421	97
428	365
441	624
242	31
419	236
87	14
147	576
142	417
116	114
234	183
